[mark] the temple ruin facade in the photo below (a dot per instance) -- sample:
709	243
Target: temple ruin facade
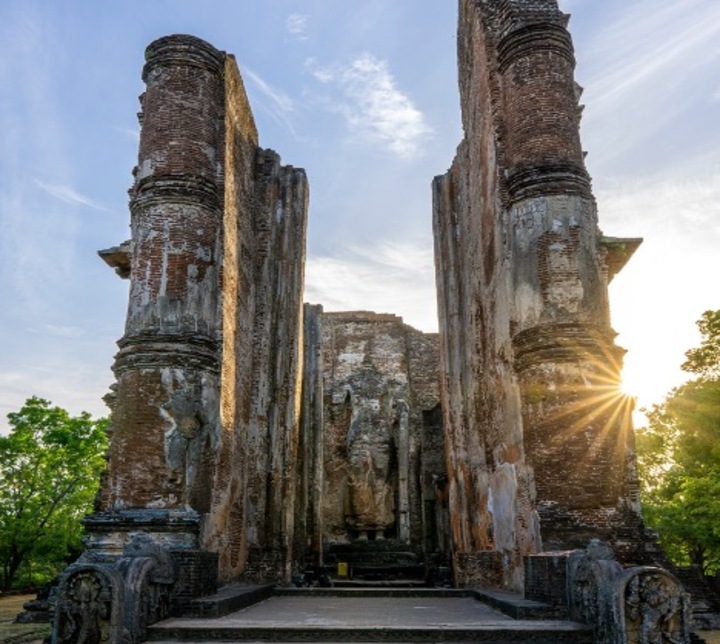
539	439
259	439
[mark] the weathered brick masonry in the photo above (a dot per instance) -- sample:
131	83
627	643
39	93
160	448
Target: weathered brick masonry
207	402
369	451
236	432
538	436
253	438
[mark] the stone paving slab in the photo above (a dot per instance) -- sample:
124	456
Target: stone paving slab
370	619
350	611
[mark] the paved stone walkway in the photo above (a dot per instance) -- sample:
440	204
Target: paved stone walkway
378	612
368	619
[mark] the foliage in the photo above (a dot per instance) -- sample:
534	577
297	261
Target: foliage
679	458
705	359
50	464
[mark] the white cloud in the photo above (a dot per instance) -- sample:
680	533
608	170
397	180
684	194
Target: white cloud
68	195
666	207
278	105
129	132
677	44
644	71
375	110
74	384
296	24
387	278
279	98
324	75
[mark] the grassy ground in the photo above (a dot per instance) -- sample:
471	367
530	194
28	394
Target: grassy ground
10	606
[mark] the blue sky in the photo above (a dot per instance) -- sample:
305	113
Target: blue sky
363	95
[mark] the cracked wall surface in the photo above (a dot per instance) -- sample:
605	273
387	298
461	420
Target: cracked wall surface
539	439
206	404
376	454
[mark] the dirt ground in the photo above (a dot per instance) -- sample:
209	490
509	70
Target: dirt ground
10	606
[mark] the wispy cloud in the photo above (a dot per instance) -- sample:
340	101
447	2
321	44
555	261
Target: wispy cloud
277	103
678	41
375	109
665	207
37	243
387	278
46	374
296	25
68	195
279	98
129	132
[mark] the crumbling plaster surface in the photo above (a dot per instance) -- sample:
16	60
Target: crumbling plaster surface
207	400
379	376
528	364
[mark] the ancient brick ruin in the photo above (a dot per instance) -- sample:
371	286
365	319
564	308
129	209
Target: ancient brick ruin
260	440
208	372
371	442
539	439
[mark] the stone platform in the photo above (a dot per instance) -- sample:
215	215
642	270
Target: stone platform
378	615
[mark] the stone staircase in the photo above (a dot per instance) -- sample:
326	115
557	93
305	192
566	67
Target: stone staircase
264	614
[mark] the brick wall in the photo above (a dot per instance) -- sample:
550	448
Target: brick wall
207	406
368	361
517	257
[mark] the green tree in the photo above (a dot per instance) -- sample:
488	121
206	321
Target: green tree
50	464
679	458
705	359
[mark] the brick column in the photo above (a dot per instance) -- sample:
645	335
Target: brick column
165	416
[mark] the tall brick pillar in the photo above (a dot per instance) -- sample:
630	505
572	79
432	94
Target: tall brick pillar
165	414
169	353
578	431
201	480
538	437
207	402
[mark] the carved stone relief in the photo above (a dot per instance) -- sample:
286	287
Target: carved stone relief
84	613
637	605
653	608
371	489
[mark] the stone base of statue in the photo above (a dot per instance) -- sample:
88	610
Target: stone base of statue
384	560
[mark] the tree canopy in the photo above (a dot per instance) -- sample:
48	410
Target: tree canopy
705	359
679	458
50	464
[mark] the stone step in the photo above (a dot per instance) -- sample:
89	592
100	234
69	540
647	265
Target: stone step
402	583
312	616
516	606
373	590
530	632
229	599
